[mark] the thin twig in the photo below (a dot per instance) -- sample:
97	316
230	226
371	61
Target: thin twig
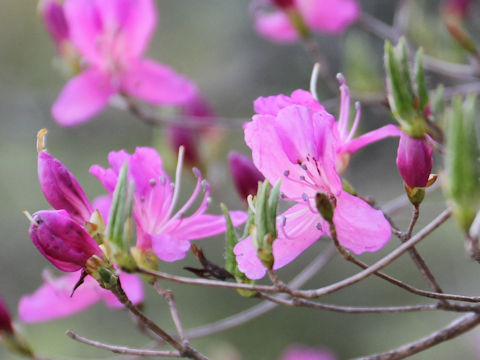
122	349
186	350
255	311
454	329
168	295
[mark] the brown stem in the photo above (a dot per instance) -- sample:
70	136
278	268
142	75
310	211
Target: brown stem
454	329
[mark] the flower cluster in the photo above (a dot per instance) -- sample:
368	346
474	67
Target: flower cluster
293	138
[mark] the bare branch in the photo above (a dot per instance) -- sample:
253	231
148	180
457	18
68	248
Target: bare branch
122	349
456	328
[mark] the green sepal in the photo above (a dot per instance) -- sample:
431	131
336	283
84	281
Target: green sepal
422	91
462	167
272	209
346	186
118	210
324	206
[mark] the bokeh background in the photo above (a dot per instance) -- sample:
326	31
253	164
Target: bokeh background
214	44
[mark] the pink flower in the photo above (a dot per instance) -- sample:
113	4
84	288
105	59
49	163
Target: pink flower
326	16
304	353
5	319
244	174
414	160
159	227
294	139
112	36
52	300
62	240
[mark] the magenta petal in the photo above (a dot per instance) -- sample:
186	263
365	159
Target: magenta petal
275	27
157	84
201	226
360	227
132	284
52	300
169	248
102	204
271	105
371	137
331	16
107	177
82	97
61	189
414	160
244	174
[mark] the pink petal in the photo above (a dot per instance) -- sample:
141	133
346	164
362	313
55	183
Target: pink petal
132	284
82	97
52	300
331	16
201	226
157	84
276	27
299	232
169	247
108	177
271	105
86	25
360	227
269	157
370	137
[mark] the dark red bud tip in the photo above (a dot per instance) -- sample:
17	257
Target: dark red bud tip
5	320
54	20
414	161
245	175
62	240
284	4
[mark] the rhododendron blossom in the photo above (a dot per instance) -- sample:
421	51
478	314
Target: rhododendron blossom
159	225
112	35
296	140
326	16
54	300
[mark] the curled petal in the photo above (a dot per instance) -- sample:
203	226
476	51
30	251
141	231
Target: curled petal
157	84
275	27
370	137
82	97
360	227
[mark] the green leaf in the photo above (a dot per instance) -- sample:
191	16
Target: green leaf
272	209
231	241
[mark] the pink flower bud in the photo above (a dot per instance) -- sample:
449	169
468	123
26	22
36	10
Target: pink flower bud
62	240
61	189
5	320
414	160
245	175
55	22
458	8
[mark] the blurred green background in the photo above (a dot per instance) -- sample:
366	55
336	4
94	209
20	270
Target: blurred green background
214	44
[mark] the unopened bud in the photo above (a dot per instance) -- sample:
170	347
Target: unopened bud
59	238
244	174
59	186
54	19
5	320
414	161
